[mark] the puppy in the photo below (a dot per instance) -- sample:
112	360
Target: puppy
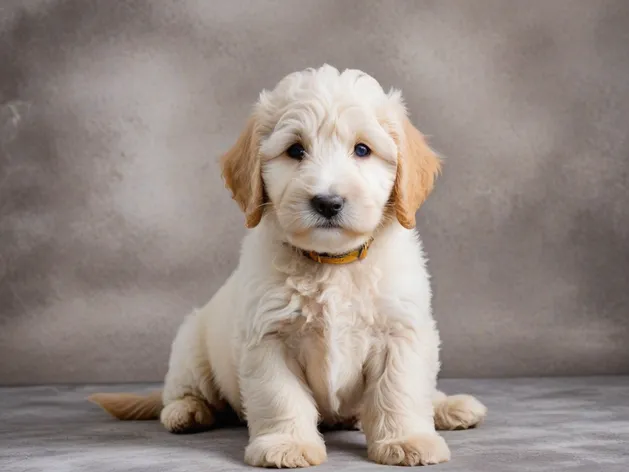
327	318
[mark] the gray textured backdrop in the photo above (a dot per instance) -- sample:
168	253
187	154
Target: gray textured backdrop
114	222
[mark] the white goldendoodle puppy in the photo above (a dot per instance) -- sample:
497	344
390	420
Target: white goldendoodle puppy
327	318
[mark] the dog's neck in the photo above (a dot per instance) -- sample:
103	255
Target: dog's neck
271	228
357	254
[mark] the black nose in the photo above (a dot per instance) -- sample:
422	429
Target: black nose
327	205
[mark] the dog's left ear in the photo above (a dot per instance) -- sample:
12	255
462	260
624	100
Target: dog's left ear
417	169
241	171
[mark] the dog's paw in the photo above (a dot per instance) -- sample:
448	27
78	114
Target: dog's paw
187	415
459	412
420	449
284	451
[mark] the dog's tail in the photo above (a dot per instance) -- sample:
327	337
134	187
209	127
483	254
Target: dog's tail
129	406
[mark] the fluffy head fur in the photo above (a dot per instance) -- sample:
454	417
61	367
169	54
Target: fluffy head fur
329	112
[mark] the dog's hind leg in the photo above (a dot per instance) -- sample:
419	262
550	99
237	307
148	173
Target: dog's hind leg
189	401
457	411
190	397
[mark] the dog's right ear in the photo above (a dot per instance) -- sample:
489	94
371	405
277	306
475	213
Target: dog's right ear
242	173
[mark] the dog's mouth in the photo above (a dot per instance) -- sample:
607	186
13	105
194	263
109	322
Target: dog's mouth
336	222
328	225
335	226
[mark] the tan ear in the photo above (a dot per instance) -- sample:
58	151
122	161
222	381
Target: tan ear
241	171
417	169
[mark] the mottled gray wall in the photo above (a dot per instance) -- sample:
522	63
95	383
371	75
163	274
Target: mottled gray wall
114	221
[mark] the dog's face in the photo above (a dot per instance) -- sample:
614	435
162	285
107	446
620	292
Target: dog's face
332	157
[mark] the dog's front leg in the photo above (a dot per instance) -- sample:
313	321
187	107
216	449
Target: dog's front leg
281	413
398	413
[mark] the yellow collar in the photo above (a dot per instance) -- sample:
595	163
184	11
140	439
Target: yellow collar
351	256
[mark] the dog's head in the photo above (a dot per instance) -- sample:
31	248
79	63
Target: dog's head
333	157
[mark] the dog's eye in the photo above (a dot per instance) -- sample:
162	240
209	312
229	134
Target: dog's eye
296	151
362	150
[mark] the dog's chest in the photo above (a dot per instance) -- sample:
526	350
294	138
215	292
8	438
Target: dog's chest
333	337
